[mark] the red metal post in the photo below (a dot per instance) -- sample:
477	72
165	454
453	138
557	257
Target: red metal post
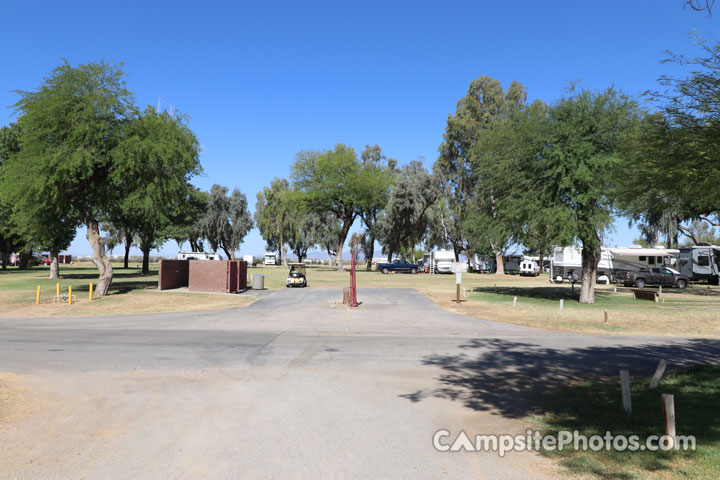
353	282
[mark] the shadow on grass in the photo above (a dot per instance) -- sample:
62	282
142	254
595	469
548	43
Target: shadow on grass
541	293
126	287
514	379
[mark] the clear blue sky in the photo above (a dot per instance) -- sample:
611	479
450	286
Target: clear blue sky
264	80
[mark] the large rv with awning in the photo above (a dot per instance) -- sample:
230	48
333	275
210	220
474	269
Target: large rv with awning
612	261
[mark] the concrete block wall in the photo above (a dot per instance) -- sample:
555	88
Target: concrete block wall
173	274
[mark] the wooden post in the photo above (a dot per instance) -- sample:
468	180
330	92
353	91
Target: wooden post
625	384
614	288
605	315
514	301
659	289
561	306
37	297
70	294
496	288
458	285
668	402
91	288
659	372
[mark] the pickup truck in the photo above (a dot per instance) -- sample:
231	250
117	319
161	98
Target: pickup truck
398	266
654	276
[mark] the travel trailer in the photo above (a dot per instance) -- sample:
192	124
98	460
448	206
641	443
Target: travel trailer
481	263
250	260
270	259
198	256
441	261
700	263
612	261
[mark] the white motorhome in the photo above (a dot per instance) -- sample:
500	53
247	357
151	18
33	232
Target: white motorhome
612	260
198	256
270	258
250	260
700	262
442	261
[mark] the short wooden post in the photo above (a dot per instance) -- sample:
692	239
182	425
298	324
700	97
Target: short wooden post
91	289
37	297
70	294
496	288
659	289
561	306
514	301
614	288
659	372
605	315
668	402
625	385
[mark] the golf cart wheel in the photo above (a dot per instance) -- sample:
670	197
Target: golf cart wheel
385	271
640	283
681	284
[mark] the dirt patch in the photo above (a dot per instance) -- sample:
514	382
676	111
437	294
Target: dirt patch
12	394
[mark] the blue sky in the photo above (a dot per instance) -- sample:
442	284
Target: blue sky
264	80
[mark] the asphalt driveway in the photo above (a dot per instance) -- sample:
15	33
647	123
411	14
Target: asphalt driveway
291	386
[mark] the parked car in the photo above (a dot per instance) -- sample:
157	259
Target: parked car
398	266
654	276
43	261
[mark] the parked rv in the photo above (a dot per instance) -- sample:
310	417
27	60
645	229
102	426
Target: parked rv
612	261
198	256
700	263
441	261
250	260
270	259
482	263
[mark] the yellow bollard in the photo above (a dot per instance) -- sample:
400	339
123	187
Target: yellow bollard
70	294
37	298
91	292
57	289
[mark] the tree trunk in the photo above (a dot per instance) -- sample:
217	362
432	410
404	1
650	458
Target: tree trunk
371	253
99	257
228	254
284	255
24	259
329	259
590	261
146	260
54	267
347	223
128	244
500	264
542	259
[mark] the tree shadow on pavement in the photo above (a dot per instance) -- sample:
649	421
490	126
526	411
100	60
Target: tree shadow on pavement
515	379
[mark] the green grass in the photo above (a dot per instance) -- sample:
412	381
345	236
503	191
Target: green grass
595	407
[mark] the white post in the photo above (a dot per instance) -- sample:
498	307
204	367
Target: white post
668	402
514	301
561	306
659	372
625	384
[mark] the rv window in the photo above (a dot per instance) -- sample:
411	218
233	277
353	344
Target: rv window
642	258
703	260
651	260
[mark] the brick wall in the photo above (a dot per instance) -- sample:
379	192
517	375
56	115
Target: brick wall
208	276
173	274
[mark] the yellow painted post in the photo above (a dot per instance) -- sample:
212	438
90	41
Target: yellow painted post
57	289
91	292
70	294
37	298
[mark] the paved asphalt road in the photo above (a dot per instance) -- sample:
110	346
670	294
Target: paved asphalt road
293	386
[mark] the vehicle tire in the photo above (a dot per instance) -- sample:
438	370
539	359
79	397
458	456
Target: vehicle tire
681	284
640	283
385	271
413	271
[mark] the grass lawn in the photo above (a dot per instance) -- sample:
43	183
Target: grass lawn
596	407
691	312
130	292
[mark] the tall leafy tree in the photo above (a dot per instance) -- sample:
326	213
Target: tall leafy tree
10	240
71	125
476	111
227	220
589	132
160	154
334	181
275	213
378	165
403	223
